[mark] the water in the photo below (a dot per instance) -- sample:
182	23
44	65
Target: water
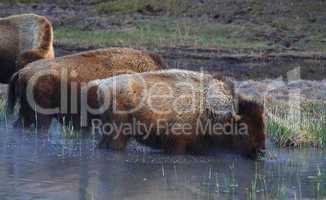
36	166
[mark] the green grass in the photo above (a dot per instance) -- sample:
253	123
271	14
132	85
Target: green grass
280	24
174	27
68	130
310	131
166	32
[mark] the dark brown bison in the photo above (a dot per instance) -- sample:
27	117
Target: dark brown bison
23	39
177	111
52	88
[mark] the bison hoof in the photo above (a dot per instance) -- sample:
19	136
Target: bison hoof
103	144
18	124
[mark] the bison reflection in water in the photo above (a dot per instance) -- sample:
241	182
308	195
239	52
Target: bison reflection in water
49	89
178	111
23	39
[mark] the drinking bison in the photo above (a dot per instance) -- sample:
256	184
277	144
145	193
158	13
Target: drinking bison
23	39
177	111
52	88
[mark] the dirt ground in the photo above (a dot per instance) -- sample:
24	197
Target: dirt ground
238	66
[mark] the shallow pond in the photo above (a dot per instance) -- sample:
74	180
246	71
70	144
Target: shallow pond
36	166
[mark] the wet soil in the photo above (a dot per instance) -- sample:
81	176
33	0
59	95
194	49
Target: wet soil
238	66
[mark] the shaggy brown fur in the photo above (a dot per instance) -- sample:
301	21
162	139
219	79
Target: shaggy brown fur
252	114
212	102
23	39
71	70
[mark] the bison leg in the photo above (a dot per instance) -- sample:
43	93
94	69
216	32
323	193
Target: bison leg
117	137
43	122
22	122
178	146
104	142
117	141
25	119
76	122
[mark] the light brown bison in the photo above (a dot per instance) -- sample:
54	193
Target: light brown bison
177	111
56	84
23	39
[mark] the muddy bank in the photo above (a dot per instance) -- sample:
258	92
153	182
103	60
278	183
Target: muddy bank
244	69
311	66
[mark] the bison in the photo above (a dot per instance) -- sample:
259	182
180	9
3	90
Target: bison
51	88
177	111
23	39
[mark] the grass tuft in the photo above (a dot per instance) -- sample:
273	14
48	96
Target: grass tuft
68	130
2	109
293	126
3	113
282	24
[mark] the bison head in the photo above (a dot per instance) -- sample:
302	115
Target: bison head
28	57
252	143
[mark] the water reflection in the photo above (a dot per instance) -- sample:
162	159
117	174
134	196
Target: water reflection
51	167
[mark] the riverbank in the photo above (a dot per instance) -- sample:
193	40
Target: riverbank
240	66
